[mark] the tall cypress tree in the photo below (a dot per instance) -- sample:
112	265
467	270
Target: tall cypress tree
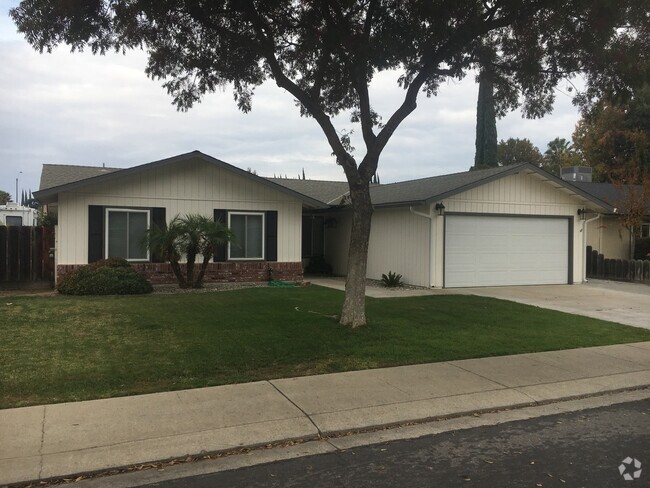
486	124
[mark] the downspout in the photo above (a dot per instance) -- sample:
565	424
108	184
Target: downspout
431	256
584	245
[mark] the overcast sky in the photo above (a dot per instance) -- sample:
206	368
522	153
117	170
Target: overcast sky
81	109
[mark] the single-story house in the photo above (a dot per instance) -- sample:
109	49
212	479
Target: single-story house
515	225
608	234
104	212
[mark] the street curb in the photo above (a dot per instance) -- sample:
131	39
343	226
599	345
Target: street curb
102	477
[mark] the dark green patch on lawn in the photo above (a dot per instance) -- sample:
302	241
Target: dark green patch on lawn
56	349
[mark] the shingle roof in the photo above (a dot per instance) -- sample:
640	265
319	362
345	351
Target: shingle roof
330	192
615	195
61	174
432	188
57	178
400	193
66	178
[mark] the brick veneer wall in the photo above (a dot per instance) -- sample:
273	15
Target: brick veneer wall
243	271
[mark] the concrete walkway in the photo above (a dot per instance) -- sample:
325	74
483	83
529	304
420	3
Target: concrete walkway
64	439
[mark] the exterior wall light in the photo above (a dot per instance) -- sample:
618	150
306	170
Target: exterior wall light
440	208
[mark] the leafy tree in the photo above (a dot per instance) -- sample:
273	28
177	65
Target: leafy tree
486	124
633	204
324	53
4	197
560	154
516	151
188	236
614	138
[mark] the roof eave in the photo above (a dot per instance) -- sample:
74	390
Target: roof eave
515	170
49	195
410	203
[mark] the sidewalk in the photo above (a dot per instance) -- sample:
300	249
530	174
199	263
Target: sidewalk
64	439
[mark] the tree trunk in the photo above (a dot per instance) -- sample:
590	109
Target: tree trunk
176	268
353	313
189	269
204	265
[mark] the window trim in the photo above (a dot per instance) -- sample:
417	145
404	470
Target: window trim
7	217
645	225
107	210
263	215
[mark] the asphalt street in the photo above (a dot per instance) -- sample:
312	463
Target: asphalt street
579	449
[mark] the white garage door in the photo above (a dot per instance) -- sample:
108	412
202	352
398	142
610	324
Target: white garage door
497	251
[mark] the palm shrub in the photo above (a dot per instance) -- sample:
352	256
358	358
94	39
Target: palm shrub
391	280
188	236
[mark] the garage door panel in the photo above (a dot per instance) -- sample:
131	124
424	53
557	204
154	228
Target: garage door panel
494	251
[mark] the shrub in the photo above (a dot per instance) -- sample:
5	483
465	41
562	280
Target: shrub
642	248
110	263
318	265
107	278
391	280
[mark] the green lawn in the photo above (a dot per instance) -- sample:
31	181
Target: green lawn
55	349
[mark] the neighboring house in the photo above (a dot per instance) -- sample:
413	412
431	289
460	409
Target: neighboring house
105	212
14	214
516	225
608	235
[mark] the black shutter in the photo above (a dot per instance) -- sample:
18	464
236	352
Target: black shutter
220	252
95	233
271	236
158	219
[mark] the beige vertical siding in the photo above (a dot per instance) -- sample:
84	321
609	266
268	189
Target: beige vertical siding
400	242
189	187
609	237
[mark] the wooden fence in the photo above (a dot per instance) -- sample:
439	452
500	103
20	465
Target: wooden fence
26	258
598	266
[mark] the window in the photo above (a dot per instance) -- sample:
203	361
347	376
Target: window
13	220
126	230
645	230
248	229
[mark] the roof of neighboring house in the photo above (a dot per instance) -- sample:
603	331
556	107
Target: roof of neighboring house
615	195
61	174
330	192
66	178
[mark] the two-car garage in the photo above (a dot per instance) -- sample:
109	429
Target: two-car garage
497	250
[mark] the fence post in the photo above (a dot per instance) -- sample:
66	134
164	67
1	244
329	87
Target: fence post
638	270
625	270
4	263
601	266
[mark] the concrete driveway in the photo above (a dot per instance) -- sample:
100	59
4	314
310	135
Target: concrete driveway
625	303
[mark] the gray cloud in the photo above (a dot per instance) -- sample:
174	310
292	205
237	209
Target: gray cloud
84	109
